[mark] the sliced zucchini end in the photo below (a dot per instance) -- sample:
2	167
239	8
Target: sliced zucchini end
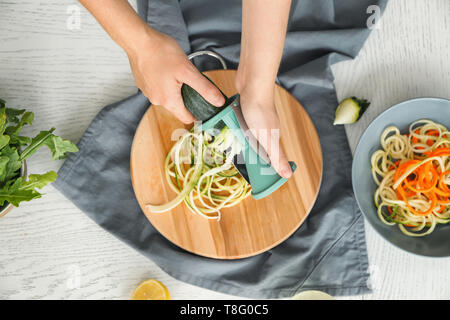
350	110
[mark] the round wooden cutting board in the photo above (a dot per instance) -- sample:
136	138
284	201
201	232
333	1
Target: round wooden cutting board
251	227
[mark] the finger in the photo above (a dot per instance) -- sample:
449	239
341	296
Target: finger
205	88
280	163
176	106
270	140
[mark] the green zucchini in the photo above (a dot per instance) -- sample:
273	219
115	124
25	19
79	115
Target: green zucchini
197	105
350	110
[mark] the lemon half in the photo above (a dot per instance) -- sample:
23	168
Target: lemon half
151	290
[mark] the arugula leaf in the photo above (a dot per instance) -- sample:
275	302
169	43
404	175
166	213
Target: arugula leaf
13	131
18	190
38	180
12	193
19	140
3	161
2	119
59	147
12	114
27	118
37	142
13	187
14	163
4	140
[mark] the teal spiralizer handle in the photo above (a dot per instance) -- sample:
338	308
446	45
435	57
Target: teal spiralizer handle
263	178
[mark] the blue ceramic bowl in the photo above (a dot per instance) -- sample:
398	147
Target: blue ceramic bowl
437	244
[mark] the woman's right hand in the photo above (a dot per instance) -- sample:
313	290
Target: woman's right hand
160	67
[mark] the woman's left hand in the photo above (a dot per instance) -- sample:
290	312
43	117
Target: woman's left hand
264	24
259	111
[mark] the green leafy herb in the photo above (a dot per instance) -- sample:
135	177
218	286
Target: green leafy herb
3	162
20	140
37	142
12	114
38	180
3	118
18	190
27	118
15	148
14	195
14	163
4	140
59	147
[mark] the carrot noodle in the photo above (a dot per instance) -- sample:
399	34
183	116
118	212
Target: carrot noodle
412	172
199	170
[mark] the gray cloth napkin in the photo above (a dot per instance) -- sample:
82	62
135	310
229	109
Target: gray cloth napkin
328	251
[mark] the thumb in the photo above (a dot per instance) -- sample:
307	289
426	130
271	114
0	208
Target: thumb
281	164
205	88
278	159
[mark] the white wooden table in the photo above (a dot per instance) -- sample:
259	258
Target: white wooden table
50	250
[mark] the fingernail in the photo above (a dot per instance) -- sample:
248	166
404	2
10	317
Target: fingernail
220	100
286	172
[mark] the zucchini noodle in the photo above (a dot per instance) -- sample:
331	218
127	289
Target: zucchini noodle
200	171
412	172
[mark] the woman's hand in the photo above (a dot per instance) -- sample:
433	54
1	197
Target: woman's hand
264	25
257	103
158	63
160	67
